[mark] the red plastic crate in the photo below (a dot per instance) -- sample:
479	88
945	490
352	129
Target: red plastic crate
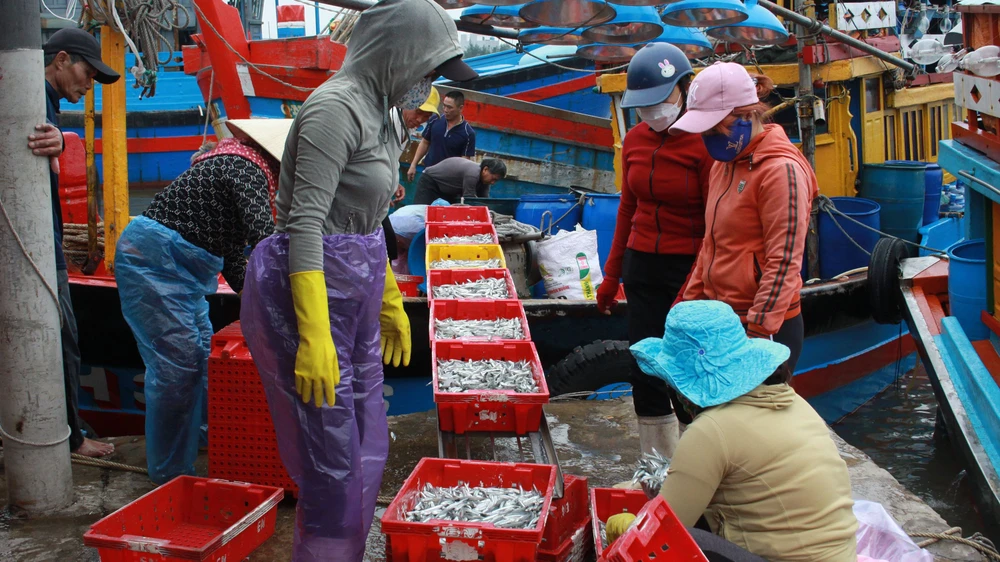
458	213
477	310
189	518
409	285
489	410
439	229
438	277
578	547
605	502
657	533
567	513
446	540
241	442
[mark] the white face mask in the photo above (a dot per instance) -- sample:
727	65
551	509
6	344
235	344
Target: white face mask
660	116
417	95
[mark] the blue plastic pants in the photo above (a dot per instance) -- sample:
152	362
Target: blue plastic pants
162	281
335	454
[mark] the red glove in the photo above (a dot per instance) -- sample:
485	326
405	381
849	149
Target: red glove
606	294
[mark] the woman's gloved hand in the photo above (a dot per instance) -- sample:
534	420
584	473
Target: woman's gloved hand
395	323
617	525
606	295
317	371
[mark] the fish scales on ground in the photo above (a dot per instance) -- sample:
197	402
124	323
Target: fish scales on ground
508	508
455	375
495	288
470	239
500	328
492	263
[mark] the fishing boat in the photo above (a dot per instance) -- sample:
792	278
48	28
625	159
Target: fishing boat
847	358
950	302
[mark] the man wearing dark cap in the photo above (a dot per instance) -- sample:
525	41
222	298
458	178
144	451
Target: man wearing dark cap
72	63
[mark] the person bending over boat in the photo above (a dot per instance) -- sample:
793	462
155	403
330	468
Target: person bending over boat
455	178
757	462
169	259
757	213
320	296
660	225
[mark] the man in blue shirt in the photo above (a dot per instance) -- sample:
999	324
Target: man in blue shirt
72	63
445	136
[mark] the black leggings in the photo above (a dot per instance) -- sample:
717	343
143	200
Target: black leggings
428	191
652	282
792	335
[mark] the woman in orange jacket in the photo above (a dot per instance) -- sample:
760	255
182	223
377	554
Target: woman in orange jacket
757	213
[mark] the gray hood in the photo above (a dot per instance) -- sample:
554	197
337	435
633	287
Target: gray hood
396	43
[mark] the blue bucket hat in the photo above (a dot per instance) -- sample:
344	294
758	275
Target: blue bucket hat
706	355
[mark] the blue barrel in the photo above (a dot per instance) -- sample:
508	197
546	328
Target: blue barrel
600	211
565	212
967	286
933	181
837	253
900	190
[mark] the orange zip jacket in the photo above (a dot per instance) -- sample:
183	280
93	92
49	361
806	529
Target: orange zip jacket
756	219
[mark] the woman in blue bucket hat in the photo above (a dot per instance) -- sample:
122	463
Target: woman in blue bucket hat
757	461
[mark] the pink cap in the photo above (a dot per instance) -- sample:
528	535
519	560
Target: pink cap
714	93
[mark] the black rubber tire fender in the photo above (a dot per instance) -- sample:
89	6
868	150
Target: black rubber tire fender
591	367
884	294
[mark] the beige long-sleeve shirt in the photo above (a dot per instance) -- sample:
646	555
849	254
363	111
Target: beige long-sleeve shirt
768	477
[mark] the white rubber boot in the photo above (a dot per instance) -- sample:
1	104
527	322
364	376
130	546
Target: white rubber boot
660	433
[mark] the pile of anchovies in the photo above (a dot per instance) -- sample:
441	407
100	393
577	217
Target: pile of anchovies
500	328
651	471
470	239
604	534
494	288
488	374
508	508
492	263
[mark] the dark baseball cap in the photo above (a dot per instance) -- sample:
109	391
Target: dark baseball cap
456	69
76	41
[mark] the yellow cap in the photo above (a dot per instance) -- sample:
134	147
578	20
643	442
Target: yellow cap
432	102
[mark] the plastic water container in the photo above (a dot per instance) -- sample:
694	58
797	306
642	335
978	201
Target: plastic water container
900	189
836	252
565	212
967	286
600	211
933	182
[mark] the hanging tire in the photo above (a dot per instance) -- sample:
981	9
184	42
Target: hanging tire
884	295
591	367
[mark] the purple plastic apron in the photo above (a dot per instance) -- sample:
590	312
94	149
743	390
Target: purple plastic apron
336	454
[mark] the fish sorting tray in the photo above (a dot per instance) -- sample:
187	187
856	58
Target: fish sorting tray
408	541
489	410
465	256
568	513
509	310
605	502
440	277
436	230
458	213
577	548
189	518
409	284
658	534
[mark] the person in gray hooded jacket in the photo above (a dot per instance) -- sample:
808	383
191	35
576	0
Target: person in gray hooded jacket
319	303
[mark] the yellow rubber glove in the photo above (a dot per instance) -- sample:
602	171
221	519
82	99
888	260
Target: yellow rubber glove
317	371
617	525
395	323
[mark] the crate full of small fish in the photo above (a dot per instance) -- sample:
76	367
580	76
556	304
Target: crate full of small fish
458	213
496	320
461	233
465	256
469	510
480	386
470	284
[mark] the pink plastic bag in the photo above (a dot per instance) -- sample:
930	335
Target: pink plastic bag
880	538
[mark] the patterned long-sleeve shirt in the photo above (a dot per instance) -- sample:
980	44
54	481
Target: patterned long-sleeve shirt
221	205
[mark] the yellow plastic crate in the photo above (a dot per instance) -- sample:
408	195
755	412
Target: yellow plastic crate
474	252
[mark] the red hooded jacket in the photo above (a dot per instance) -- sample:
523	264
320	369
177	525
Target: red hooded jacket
755	232
664	189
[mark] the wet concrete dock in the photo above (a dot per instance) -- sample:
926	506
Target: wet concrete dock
594	439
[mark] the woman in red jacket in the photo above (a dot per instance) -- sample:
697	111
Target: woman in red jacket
758	206
661	222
